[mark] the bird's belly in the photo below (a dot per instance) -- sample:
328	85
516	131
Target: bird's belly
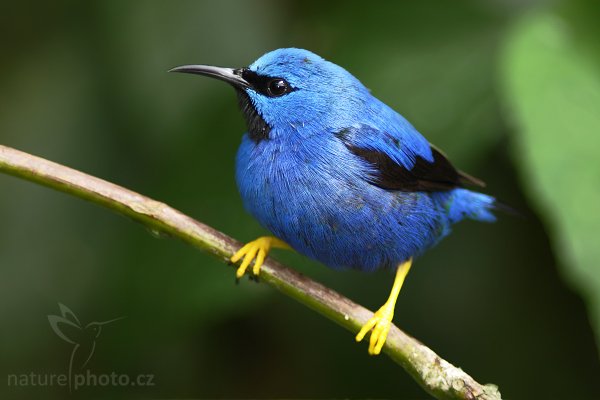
340	222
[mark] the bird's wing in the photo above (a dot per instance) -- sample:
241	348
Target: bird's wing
403	160
65	329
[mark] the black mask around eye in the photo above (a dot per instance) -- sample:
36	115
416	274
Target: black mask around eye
266	85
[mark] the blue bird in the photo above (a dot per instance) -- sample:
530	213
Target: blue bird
339	176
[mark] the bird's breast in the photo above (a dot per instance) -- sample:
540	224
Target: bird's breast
313	197
285	181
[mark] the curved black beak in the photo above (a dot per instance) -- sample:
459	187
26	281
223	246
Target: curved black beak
229	75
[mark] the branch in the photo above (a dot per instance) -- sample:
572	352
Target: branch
437	376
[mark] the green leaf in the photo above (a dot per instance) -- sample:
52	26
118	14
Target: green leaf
552	87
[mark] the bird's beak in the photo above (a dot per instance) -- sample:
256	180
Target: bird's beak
229	75
111	320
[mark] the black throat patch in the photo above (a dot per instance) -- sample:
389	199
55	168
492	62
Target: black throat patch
258	129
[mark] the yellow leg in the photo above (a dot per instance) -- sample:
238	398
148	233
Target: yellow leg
381	321
258	249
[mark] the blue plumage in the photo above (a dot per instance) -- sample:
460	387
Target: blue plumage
309	189
338	175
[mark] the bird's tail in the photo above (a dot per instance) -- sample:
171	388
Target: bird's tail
464	203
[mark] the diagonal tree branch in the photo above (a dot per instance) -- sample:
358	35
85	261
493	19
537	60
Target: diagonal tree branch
437	376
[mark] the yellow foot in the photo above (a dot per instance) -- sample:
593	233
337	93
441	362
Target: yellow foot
258	249
380	322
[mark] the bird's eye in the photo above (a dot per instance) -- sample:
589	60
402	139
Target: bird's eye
277	87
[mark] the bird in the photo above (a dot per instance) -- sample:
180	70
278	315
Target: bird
82	337
337	175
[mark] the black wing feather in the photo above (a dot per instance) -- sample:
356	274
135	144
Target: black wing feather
425	176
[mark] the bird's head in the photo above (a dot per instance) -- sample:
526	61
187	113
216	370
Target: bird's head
291	92
95	328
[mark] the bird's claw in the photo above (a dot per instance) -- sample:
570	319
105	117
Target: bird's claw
380	323
256	250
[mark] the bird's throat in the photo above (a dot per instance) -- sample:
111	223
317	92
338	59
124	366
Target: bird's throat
258	129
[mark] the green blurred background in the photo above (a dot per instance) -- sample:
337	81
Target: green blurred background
509	89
